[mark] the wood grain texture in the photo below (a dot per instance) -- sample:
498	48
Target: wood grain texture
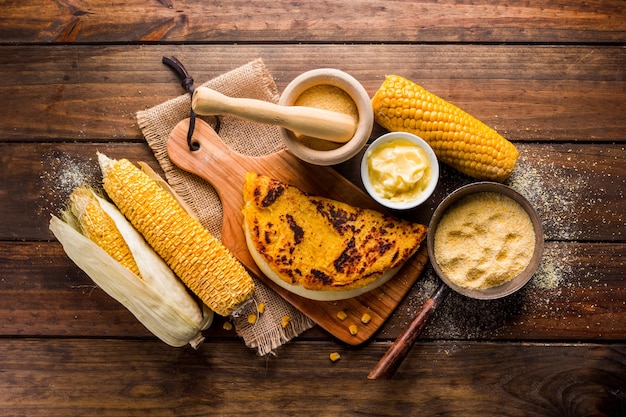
98	21
134	378
527	93
548	74
42	293
551	176
400	348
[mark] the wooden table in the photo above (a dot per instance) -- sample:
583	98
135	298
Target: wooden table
549	75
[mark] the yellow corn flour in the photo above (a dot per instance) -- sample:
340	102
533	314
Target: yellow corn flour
484	240
326	97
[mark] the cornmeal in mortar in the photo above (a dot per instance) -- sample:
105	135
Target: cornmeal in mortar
484	240
326	97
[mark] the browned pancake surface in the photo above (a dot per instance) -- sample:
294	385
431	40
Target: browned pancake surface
323	244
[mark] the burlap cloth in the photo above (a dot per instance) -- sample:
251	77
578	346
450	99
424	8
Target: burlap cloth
252	80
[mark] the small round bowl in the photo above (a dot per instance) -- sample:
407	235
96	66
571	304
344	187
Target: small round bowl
518	281
355	90
432	160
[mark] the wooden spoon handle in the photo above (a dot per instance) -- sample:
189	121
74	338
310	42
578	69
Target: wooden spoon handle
389	363
309	121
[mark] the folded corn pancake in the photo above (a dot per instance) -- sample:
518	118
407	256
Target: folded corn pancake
320	248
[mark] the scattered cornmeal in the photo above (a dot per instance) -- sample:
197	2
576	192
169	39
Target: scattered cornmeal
326	97
365	318
341	315
484	240
334	356
353	329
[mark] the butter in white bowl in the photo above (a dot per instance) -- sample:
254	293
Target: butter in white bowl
400	170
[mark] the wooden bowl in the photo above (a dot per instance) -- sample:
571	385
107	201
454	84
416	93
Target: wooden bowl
518	281
355	90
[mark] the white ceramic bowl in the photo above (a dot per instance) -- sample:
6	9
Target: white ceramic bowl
355	90
418	142
518	281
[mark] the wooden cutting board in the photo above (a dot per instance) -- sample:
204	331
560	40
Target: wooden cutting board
225	170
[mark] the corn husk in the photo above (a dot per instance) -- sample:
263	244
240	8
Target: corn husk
158	299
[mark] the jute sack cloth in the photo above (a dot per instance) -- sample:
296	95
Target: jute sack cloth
252	80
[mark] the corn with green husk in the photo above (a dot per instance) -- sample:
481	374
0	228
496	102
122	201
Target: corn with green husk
457	138
206	266
99	239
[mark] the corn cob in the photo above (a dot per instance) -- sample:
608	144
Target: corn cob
155	296
457	138
196	256
100	228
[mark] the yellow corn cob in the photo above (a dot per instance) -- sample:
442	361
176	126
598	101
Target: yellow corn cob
457	138
197	257
100	228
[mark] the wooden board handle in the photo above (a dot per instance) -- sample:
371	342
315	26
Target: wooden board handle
389	363
308	121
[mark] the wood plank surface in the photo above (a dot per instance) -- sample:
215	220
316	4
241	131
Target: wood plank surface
538	93
548	75
138	378
561	180
568	285
43	293
329	21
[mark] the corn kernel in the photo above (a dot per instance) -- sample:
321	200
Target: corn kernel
415	110
365	318
261	308
334	356
227	325
181	240
353	329
252	318
100	228
286	321
341	315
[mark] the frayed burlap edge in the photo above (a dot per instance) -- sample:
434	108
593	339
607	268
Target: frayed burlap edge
251	80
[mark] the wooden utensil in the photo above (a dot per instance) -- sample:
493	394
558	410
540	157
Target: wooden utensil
389	363
225	170
308	121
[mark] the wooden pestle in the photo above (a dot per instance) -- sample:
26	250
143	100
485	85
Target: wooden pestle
309	121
